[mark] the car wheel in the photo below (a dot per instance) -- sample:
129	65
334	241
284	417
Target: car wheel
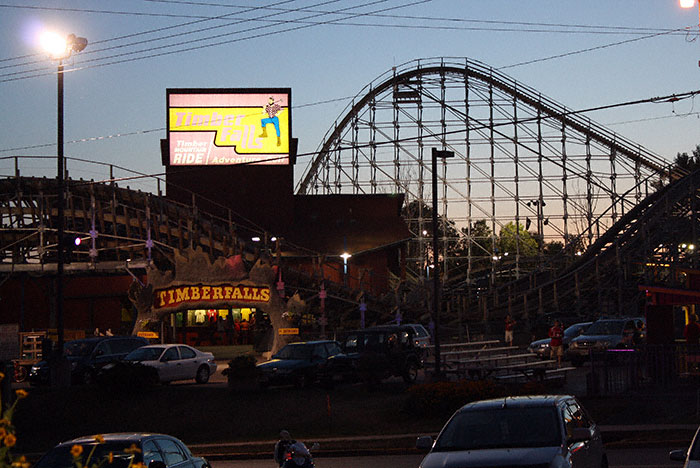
411	373
302	381
202	376
88	378
20	373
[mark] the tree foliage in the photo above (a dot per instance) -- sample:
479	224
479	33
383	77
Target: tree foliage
514	239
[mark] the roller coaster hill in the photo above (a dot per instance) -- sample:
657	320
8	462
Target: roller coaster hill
542	212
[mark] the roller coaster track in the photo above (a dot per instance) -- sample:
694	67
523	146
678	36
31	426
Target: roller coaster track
654	237
113	223
520	159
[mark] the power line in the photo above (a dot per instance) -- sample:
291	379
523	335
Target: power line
186	49
592	29
654	100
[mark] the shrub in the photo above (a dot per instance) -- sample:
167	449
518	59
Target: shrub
241	367
128	377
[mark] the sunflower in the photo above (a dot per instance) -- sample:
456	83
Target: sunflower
21	393
99	439
76	450
10	440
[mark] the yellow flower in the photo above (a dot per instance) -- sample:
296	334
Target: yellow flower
138	465
21	462
76	450
99	439
21	393
4	422
132	449
10	440
3	432
2	376
111	457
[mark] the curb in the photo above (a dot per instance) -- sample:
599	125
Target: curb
615	437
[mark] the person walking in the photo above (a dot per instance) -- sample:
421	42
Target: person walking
509	326
556	343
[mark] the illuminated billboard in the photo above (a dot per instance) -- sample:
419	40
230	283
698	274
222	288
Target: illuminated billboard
210	127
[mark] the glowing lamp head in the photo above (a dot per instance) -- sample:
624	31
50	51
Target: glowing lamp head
59	47
55	44
687	3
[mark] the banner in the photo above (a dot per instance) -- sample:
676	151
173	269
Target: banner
225	127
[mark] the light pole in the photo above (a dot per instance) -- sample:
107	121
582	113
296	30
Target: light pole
691	4
60	48
436	266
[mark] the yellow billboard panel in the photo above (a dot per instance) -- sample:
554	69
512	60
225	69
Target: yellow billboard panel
220	127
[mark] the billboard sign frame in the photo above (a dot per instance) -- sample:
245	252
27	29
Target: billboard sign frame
228	126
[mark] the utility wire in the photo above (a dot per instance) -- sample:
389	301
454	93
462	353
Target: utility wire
592	29
654	100
254	36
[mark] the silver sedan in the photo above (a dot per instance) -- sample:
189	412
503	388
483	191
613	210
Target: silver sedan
175	362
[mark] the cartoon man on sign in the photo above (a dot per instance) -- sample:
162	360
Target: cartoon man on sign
271	109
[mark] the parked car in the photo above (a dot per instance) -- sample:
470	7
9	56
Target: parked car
691	455
546	431
87	356
300	364
123	451
606	334
541	347
175	362
377	353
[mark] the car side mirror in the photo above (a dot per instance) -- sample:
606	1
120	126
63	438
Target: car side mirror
677	455
424	443
156	464
580	434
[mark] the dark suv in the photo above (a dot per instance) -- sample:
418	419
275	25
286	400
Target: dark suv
87	356
381	352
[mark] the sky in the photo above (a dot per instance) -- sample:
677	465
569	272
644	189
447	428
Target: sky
582	54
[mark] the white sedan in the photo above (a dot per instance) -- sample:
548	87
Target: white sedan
175	362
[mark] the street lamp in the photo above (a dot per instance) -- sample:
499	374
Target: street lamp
436	266
691	4
60	48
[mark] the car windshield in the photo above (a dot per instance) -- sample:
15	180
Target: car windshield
294	351
605	328
501	428
79	348
575	330
145	354
122	456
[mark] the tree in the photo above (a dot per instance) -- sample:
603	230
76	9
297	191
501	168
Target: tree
688	162
514	239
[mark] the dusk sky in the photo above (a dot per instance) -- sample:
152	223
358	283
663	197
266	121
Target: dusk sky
582	54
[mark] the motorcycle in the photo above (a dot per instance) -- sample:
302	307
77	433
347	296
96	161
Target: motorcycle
298	456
